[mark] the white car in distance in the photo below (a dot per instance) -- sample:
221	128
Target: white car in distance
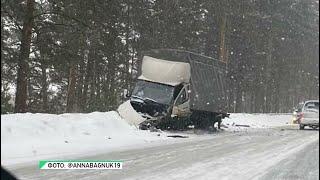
309	114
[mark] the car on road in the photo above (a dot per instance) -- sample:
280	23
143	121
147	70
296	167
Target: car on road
307	114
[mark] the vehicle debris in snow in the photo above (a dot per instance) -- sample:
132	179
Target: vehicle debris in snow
240	125
177	136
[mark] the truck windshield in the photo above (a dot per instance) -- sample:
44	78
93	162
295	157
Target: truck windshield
159	93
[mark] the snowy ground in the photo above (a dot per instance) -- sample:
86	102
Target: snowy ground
32	137
27	138
275	153
242	121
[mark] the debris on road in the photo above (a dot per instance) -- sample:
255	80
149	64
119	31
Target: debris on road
240	125
177	136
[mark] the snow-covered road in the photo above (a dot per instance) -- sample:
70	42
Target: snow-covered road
270	153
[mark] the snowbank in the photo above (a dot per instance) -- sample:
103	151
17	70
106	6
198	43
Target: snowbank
26	137
31	137
243	120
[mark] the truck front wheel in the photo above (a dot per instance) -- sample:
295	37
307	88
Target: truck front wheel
301	127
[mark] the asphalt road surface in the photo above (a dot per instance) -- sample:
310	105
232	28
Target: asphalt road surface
279	153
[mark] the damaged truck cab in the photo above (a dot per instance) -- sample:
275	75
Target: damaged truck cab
171	93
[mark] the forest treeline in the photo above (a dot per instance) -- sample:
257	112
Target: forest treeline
80	55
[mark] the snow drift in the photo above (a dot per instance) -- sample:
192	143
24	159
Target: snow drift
31	137
26	137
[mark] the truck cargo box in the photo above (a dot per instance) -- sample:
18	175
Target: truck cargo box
208	78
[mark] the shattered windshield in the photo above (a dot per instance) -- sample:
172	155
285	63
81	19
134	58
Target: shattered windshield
159	93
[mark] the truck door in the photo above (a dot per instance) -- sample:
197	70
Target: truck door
181	107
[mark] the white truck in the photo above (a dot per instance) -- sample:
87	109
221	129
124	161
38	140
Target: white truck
177	89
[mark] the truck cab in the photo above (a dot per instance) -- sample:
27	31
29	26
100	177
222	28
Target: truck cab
162	91
152	99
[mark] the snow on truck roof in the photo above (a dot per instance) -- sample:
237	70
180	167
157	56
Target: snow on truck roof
163	71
